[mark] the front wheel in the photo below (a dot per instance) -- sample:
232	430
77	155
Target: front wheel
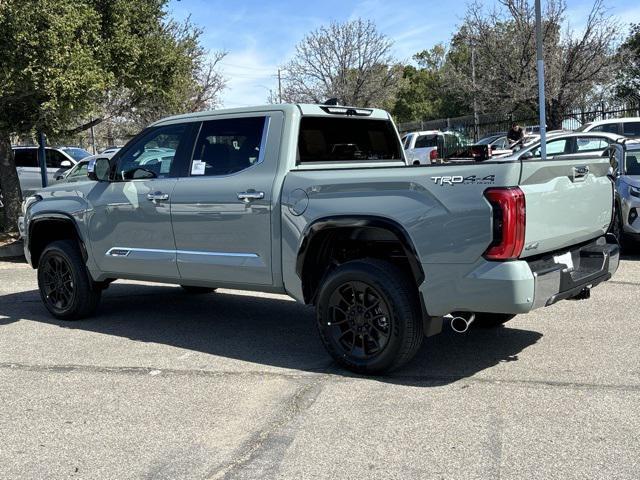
65	287
368	316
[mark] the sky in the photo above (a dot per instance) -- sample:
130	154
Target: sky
260	36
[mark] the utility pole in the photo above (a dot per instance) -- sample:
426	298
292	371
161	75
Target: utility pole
279	87
93	138
541	100
475	101
42	158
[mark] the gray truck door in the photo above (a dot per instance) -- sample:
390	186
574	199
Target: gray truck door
221	209
130	226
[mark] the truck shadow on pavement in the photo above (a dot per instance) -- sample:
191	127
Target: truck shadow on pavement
265	331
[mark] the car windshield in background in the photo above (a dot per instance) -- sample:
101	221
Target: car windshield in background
76	153
347	139
633	162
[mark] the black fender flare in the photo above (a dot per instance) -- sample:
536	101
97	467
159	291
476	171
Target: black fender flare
360	221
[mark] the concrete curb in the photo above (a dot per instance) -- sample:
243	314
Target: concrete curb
12	250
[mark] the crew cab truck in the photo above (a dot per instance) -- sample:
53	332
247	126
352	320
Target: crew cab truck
317	202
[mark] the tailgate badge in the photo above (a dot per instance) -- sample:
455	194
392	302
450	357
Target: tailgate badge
532	246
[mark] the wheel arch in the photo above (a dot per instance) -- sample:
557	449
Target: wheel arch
320	236
47	227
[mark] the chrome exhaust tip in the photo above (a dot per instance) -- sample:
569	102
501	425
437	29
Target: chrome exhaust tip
461	323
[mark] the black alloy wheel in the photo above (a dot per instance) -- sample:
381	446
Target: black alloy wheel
57	278
360	320
65	286
368	316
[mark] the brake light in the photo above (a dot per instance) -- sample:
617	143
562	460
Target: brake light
509	223
433	154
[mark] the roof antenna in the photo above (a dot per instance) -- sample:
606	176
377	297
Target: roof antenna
331	101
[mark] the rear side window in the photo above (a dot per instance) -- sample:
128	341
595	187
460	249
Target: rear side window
590	144
55	158
554	147
607	128
631	129
26	157
346	140
425	141
228	146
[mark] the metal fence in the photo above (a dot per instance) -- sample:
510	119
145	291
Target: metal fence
488	124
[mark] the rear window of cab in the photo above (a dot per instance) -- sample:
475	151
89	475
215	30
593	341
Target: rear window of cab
330	139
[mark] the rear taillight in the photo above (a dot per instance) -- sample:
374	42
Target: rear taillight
509	223
433	154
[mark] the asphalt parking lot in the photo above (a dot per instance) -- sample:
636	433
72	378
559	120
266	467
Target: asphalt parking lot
162	384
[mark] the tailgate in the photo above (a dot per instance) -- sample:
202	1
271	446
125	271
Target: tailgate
568	201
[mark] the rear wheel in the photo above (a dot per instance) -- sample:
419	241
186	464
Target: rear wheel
368	316
492	320
197	290
65	286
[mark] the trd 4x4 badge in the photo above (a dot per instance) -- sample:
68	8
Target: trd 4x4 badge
459	179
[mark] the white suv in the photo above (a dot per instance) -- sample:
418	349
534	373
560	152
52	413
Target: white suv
421	148
58	161
628	127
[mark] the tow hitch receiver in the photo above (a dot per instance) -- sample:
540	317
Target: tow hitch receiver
583	294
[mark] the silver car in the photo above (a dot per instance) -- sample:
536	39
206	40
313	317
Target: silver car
626	225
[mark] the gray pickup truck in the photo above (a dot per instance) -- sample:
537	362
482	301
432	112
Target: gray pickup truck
317	202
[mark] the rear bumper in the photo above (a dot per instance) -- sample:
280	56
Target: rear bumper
593	263
518	286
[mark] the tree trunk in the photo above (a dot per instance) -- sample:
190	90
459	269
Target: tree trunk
9	185
555	115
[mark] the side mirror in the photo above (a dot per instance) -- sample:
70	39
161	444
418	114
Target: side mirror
98	169
66	164
526	156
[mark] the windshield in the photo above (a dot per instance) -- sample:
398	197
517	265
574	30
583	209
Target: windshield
633	162
76	153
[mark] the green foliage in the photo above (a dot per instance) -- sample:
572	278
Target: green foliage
628	82
65	59
48	72
424	94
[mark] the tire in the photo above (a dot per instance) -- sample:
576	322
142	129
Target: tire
368	316
65	287
491	320
625	243
197	290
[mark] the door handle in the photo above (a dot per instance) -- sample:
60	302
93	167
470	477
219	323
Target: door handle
157	196
250	195
580	172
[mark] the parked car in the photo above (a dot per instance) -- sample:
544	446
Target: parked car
627	127
59	159
422	148
78	173
569	146
110	150
626	171
317	202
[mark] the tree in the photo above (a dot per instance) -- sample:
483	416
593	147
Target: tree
349	61
504	43
68	60
628	81
424	94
